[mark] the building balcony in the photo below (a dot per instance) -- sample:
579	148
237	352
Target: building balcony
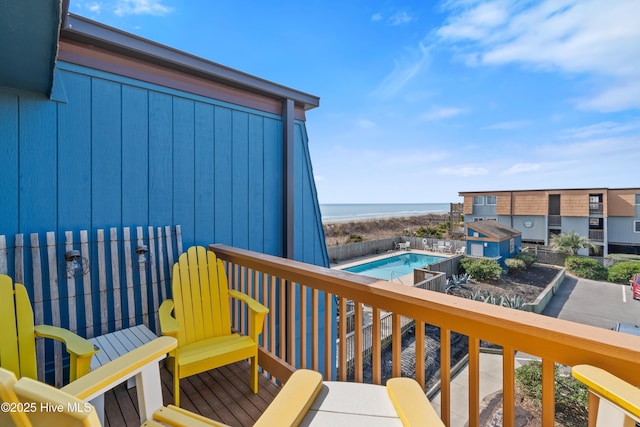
555	221
595	208
596	235
300	333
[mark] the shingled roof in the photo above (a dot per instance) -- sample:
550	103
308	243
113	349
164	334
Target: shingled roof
494	229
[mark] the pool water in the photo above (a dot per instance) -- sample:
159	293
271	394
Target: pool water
395	266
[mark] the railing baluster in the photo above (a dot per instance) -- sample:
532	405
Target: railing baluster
508	387
396	343
357	343
342	336
245	277
303	326
329	340
282	330
315	326
264	301
445	376
474	382
291	324
376	348
548	393
420	355
272	315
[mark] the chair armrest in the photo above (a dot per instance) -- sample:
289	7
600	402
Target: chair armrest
254	305
121	369
168	323
258	312
294	400
411	404
610	387
78	348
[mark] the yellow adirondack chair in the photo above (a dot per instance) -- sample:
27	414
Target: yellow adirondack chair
201	319
612	401
18	334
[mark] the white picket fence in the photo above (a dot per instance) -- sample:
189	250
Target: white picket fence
112	274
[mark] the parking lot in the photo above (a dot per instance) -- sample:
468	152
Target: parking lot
600	304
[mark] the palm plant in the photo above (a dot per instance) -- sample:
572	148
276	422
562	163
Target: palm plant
570	243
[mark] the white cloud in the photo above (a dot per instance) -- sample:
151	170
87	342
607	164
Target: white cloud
463	171
376	17
403	72
510	125
440	113
596	38
599	129
141	7
400	18
365	123
523	168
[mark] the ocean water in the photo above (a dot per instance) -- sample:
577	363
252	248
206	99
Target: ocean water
359	211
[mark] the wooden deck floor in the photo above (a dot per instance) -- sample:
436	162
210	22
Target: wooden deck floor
221	394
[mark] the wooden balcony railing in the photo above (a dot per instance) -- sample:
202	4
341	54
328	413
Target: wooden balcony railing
596	235
300	329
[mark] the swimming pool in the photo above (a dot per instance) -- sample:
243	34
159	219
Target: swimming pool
394	266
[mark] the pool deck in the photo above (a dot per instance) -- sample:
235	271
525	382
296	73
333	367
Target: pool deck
406	279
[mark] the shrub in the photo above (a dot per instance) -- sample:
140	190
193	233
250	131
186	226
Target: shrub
621	272
355	238
434	232
527	257
514	264
481	269
586	267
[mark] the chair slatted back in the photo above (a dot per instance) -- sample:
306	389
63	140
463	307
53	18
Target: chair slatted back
17	333
201	296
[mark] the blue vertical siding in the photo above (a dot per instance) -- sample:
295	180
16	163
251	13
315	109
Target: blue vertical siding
74	156
239	178
135	156
273	161
204	171
256	178
37	165
106	153
160	159
183	166
9	164
223	218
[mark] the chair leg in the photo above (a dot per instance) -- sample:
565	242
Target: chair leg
176	383
254	374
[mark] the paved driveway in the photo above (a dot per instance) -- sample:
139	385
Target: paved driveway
601	304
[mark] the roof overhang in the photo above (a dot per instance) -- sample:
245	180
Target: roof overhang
88	32
29	31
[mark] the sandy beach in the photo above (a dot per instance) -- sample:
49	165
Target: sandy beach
339	233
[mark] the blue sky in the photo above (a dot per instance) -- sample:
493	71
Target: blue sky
422	99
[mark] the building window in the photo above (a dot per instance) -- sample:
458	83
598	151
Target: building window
637	199
491	200
512	245
490	218
636	226
476	219
478	200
